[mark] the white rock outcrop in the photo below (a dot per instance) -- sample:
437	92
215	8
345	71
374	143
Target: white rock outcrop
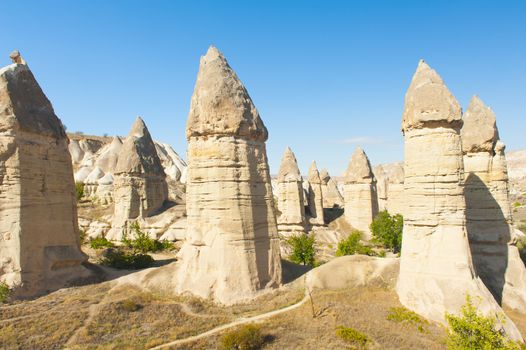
361	197
489	219
291	206
436	269
39	235
315	197
231	249
330	192
139	188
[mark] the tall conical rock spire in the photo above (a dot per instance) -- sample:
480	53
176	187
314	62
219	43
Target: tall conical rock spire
479	132
289	166
220	104
359	169
315	199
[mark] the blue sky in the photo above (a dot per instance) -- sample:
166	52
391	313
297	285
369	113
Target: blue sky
324	75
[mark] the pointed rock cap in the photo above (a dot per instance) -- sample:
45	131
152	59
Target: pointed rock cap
24	106
324	176
359	169
220	104
138	154
479	132
288	169
428	102
16	57
314	175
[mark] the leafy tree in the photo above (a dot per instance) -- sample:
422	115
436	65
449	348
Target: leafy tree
473	330
352	245
303	251
387	230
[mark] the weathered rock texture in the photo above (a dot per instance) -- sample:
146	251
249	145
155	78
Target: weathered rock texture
361	199
291	206
139	188
329	189
39	237
436	269
232	247
489	219
315	198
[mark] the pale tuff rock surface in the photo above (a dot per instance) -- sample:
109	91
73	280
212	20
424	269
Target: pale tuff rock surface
174	166
39	237
291	206
436	269
330	192
390	186
489	219
139	187
315	198
361	199
231	249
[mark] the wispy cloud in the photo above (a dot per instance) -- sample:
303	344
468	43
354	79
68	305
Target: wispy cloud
362	140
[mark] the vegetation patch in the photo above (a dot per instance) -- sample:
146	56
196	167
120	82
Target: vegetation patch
473	330
143	243
79	190
303	250
352	245
403	315
248	337
4	292
517	205
127	260
352	336
387	230
100	242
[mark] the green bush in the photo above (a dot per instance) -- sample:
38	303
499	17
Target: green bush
352	336
473	330
127	260
143	243
521	245
352	245
517	205
387	230
100	242
79	189
247	337
403	315
303	251
4	292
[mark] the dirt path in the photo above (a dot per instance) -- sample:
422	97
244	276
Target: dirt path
233	324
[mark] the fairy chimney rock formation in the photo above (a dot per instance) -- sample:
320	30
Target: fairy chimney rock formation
489	219
139	187
361	198
39	236
330	192
315	196
291	206
436	269
232	248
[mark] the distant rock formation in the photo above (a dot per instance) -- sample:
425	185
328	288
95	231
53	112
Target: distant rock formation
315	196
231	250
139	188
489	219
361	198
330	192
390	186
436	269
291	206
39	236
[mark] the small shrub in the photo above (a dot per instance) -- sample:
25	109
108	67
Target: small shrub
473	330
303	251
128	305
4	292
125	260
517	205
387	230
100	242
247	337
79	190
521	245
352	336
143	243
403	315
352	245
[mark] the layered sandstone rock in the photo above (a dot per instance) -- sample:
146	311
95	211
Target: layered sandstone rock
315	198
436	269
291	206
139	187
361	199
39	236
231	249
329	189
489	220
